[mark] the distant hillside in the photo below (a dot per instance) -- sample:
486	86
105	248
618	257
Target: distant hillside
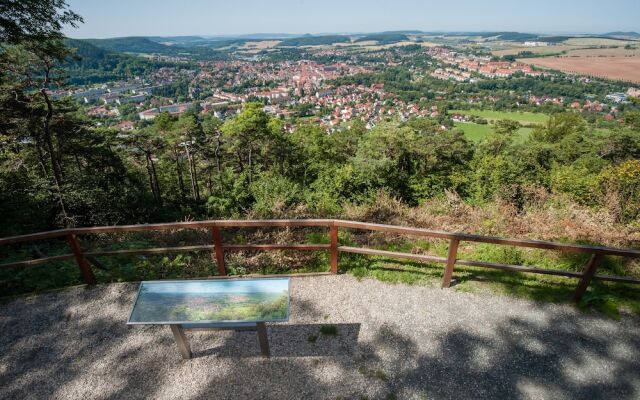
219	44
510	36
179	40
130	45
87	52
147	46
384	37
315	40
623	35
91	64
518	37
408	32
554	39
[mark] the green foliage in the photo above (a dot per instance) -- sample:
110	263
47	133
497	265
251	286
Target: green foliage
90	64
606	304
273	194
560	126
490	173
373	373
578	182
329	330
632	119
622	184
35	20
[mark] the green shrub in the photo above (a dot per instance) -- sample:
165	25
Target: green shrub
622	185
329	330
577	182
274	195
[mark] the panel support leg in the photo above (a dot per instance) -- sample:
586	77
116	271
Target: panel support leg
263	339
181	341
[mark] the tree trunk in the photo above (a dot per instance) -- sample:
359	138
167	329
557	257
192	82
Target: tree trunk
195	176
41	158
155	179
250	166
151	183
195	191
217	154
240	162
179	171
55	165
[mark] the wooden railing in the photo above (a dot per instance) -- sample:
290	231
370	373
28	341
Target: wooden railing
218	248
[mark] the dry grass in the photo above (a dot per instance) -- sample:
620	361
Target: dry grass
544	217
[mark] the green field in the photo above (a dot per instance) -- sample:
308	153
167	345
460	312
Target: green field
477	132
522	117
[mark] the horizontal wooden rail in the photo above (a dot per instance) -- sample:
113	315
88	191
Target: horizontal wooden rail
218	247
520	268
267	247
169	226
391	254
503	267
538	244
155	250
37	261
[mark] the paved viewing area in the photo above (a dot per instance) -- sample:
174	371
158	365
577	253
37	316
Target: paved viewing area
393	341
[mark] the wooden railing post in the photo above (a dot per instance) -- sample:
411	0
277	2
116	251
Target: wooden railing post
333	237
219	251
451	262
85	267
587	276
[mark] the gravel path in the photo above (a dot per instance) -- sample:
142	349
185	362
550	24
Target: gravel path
394	341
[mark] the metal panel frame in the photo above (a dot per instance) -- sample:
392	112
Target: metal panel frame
211	322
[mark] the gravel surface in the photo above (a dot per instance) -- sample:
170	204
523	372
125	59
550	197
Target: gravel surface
393	341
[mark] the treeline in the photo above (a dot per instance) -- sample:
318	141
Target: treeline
57	169
88	64
200	167
315	40
143	45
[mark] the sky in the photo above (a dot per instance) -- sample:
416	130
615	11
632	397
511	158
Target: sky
114	18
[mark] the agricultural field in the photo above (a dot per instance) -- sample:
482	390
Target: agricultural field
259	45
542	50
477	132
606	52
369	45
619	68
525	118
592	41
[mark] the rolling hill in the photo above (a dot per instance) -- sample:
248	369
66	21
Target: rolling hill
309	40
92	64
384	38
623	35
144	45
131	44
